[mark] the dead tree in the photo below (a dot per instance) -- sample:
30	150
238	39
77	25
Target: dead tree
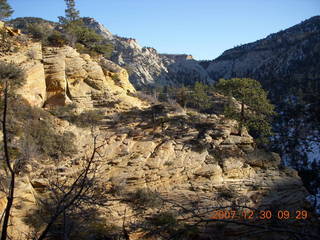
10	76
75	192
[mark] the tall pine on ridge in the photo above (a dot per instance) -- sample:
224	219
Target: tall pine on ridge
5	10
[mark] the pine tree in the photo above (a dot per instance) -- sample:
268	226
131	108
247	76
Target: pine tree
199	97
72	15
255	112
5	10
71	22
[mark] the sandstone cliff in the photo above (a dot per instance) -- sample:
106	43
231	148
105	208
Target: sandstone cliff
60	75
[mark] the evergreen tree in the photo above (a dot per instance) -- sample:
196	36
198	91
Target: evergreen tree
5	10
255	112
71	22
182	96
72	15
199	98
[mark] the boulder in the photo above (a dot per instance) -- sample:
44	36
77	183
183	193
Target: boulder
263	159
209	170
231	163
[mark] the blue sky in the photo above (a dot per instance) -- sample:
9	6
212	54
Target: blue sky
203	28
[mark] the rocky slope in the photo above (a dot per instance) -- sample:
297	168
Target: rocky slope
195	162
147	66
287	55
60	75
287	65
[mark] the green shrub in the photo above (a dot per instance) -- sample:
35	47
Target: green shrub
13	74
105	49
39	31
89	118
57	39
49	142
86	36
164	219
170	226
256	111
145	198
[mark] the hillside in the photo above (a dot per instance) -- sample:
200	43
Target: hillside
287	65
288	56
160	170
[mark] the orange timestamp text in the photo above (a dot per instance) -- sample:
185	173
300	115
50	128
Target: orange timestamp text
249	214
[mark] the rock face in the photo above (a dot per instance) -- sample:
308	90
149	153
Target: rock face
286	57
147	66
56	76
29	58
72	77
183	161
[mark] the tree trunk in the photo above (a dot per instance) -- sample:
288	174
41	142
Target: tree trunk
241	119
7	159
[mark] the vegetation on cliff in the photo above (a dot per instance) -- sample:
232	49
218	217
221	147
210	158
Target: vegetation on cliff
256	111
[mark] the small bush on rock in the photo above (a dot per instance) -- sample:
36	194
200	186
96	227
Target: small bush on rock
57	39
145	198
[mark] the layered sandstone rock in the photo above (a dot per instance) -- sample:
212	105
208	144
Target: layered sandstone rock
29	58
215	167
56	76
74	77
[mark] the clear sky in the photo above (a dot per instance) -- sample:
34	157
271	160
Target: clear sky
203	28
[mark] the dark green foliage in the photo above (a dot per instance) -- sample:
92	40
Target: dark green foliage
86	36
171	227
84	39
183	96
88	41
39	32
256	111
88	118
95	49
50	143
11	74
23	23
145	198
57	39
199	98
106	49
71	13
5	10
164	219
